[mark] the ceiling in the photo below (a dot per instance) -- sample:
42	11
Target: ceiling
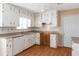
40	7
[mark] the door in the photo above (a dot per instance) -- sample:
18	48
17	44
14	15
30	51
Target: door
70	29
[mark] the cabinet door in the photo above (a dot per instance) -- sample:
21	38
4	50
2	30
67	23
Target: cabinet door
22	43
3	50
15	17
26	41
29	40
53	40
6	16
16	45
37	38
32	39
9	47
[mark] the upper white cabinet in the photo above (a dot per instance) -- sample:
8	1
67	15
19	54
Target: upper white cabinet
9	15
48	17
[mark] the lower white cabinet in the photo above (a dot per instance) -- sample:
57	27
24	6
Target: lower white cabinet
29	40
14	45
37	38
75	49
53	41
18	45
5	46
23	42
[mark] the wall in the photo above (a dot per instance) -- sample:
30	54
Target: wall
60	22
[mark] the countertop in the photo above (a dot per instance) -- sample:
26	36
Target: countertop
19	33
75	39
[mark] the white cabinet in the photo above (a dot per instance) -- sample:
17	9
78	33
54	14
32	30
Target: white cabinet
53	41
48	17
37	38
26	38
23	42
14	16
29	40
18	45
75	49
9	15
6	46
38	20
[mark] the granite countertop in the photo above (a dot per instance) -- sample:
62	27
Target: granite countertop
75	39
15	34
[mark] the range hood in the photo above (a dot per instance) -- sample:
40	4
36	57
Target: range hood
45	27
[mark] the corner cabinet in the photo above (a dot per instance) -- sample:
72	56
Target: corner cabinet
9	15
23	42
29	40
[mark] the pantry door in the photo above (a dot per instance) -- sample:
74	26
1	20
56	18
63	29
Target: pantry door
71	29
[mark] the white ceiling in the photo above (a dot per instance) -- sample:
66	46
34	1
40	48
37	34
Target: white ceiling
38	7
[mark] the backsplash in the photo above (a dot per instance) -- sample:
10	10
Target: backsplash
7	29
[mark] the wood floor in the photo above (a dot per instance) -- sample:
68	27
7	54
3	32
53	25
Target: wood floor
45	51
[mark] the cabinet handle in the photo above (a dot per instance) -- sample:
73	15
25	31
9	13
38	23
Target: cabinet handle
7	45
10	46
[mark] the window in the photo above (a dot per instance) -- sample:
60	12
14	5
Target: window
24	23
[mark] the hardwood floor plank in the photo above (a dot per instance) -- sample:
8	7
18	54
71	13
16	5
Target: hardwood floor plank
46	51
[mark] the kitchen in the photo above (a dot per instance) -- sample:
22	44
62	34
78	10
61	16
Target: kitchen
24	26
